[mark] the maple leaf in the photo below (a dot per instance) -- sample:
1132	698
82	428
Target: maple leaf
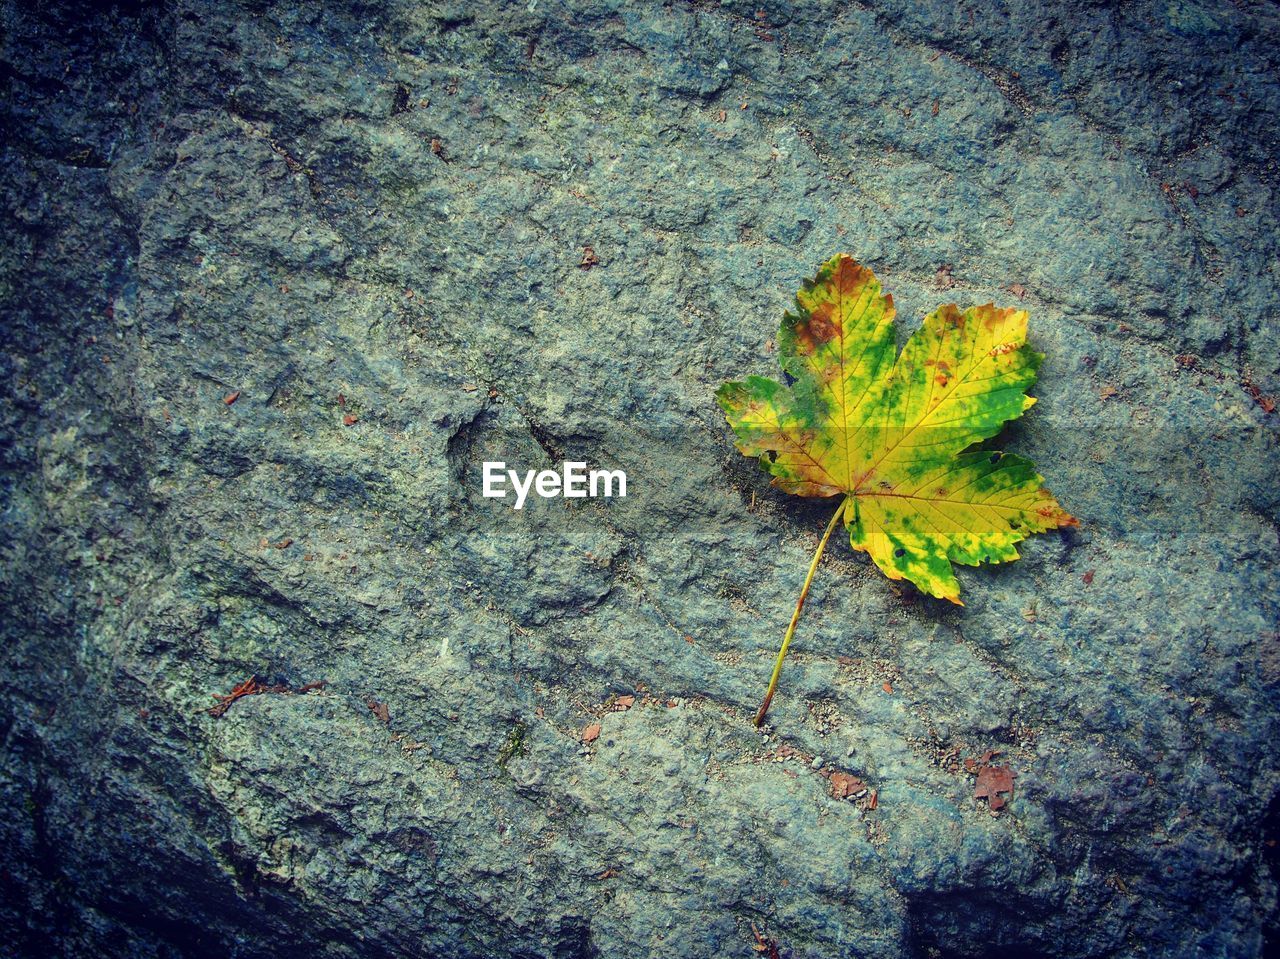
891	433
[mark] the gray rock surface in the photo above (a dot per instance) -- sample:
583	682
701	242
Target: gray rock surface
380	212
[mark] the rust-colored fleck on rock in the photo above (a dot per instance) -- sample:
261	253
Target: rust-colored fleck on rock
1268	403
1087	577
993	781
380	710
350	419
284	543
844	785
231	397
591	733
764	945
887	687
589	258
250	687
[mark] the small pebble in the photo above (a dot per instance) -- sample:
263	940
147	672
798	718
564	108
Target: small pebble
851	751
817	762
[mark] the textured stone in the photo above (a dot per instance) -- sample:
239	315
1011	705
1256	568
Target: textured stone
370	223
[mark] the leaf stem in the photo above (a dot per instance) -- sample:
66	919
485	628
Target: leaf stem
795	617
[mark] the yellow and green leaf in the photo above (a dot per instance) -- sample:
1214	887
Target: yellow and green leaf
890	432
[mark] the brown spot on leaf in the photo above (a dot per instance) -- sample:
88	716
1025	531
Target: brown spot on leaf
814	330
850	276
820	327
951	317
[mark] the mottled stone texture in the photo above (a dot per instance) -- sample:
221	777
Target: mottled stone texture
368	222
